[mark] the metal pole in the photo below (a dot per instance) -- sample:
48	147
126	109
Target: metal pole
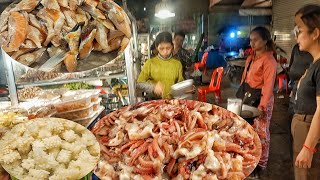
134	28
7	60
129	59
202	24
130	74
148	40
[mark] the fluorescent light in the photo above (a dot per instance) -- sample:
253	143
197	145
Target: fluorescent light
164	13
163	10
239	33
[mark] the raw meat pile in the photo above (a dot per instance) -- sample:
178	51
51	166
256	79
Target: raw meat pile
175	139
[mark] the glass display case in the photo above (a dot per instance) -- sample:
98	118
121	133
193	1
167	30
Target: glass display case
20	76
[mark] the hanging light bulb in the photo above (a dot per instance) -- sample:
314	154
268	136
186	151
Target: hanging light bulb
163	10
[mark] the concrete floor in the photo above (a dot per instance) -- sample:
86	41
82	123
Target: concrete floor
280	163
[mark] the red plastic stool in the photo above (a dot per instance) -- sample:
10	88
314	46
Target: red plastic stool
213	87
282	77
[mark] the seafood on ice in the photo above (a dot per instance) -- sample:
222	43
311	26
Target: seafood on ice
75	26
175	139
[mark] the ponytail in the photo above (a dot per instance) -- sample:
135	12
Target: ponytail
271	46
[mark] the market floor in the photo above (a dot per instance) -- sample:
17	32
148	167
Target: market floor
280	163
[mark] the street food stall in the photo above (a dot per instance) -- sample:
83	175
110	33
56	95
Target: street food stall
45	132
37	67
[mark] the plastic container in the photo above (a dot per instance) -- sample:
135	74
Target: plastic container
95	118
71	103
76	114
17	110
47	100
96	104
40	112
5	104
86	120
53	92
94	94
234	105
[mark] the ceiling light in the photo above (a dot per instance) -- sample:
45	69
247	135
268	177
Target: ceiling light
163	10
164	13
232	35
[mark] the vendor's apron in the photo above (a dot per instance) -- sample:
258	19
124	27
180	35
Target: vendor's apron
299	130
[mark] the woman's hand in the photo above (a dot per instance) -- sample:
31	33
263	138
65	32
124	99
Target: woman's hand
291	94
158	89
263	113
304	158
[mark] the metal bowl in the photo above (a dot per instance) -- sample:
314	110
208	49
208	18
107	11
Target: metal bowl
181	88
249	113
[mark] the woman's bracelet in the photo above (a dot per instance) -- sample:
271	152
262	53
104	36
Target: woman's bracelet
313	150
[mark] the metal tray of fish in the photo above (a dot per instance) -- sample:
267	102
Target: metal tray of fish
93	61
24	74
90	34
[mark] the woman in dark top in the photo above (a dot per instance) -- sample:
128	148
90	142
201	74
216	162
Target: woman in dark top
299	62
305	125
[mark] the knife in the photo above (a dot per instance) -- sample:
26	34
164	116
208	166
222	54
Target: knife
53	61
59	56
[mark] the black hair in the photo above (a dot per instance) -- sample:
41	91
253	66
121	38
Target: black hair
163	37
180	33
153	49
264	33
310	16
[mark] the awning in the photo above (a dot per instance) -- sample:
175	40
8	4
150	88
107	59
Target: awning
256	3
255	12
245	7
256	8
213	2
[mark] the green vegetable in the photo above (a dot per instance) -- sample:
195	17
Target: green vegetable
77	86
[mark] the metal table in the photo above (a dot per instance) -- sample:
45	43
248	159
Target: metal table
235	70
237	62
